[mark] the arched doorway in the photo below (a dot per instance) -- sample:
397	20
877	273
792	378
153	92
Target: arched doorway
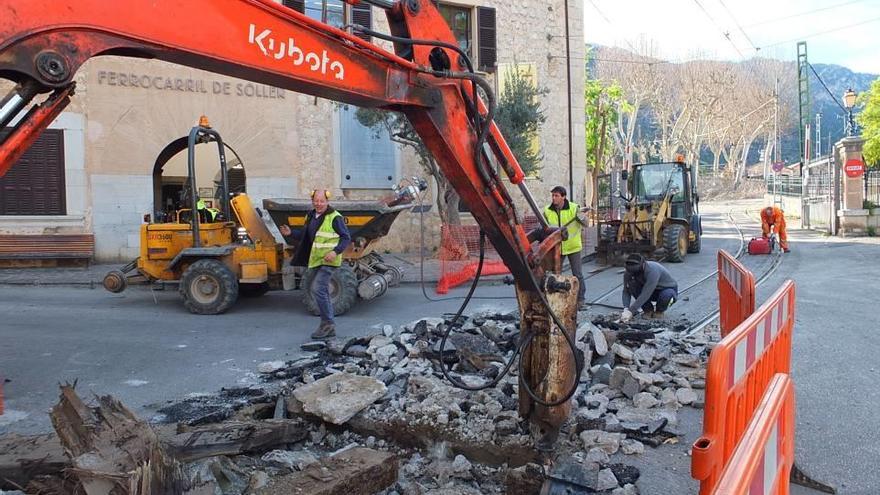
171	188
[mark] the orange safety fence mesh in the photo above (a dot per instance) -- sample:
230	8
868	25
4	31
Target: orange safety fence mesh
459	253
739	371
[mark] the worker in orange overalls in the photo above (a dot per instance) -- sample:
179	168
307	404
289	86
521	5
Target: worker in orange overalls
772	219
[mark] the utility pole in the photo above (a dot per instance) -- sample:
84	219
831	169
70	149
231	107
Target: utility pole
776	150
818	135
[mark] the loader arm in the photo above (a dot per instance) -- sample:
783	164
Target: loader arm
43	43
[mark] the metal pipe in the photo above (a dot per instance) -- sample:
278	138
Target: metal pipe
191	168
16	100
534	206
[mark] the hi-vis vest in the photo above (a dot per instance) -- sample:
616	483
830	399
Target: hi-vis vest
325	240
561	218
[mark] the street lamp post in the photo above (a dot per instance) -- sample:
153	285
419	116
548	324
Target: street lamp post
849	101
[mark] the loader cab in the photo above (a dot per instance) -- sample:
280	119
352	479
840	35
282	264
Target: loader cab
651	182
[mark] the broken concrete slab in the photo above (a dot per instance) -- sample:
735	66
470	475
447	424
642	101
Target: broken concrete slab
336	398
632	447
645	400
686	396
606	480
356	471
270	366
291	459
609	442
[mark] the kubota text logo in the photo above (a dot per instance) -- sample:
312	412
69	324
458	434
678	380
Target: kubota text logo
278	50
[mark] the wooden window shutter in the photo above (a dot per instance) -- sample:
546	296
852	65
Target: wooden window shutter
486	41
362	14
297	5
35	184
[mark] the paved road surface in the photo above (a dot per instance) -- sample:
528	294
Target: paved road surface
144	348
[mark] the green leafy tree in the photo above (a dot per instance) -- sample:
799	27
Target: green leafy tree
519	116
602	103
869	120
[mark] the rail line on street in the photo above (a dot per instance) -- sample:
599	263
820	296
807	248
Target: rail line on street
765	275
739	253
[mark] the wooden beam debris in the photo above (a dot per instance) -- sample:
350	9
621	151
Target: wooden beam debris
356	471
113	451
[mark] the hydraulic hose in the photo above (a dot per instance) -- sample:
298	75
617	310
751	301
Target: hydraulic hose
454	381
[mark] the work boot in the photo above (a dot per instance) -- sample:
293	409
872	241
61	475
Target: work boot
658	315
648	315
326	330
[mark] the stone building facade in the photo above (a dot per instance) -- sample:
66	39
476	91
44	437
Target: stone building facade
126	111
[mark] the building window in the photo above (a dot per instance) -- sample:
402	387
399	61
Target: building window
475	38
459	20
330	12
366	161
35	184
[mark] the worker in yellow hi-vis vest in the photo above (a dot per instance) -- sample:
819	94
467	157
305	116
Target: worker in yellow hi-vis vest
322	240
562	213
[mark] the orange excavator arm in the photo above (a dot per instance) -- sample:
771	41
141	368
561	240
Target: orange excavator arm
44	42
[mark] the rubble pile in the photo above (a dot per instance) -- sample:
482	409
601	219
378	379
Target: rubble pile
382	400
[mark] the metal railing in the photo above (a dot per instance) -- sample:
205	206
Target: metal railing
785	185
872	186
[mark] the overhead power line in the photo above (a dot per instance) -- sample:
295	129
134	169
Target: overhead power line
724	33
820	33
741	30
826	88
607	20
807	12
743	117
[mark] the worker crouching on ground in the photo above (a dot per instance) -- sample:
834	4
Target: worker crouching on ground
564	213
651	284
773	220
321	243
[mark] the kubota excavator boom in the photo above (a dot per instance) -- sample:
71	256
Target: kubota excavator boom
44	42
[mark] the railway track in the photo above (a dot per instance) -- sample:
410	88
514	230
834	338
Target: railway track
708	319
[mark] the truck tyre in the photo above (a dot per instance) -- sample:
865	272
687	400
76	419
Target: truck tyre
253	290
208	287
343	290
675	242
697	244
697	228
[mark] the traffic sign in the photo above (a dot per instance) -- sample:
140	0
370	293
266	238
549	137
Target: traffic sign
854	167
778	166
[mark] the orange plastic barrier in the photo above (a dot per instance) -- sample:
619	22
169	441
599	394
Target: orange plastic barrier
739	370
762	462
736	292
468	272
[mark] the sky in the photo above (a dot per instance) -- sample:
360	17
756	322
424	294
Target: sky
843	32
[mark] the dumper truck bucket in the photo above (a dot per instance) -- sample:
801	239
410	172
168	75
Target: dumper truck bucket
367	220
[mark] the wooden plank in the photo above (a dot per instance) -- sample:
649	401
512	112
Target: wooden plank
357	471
